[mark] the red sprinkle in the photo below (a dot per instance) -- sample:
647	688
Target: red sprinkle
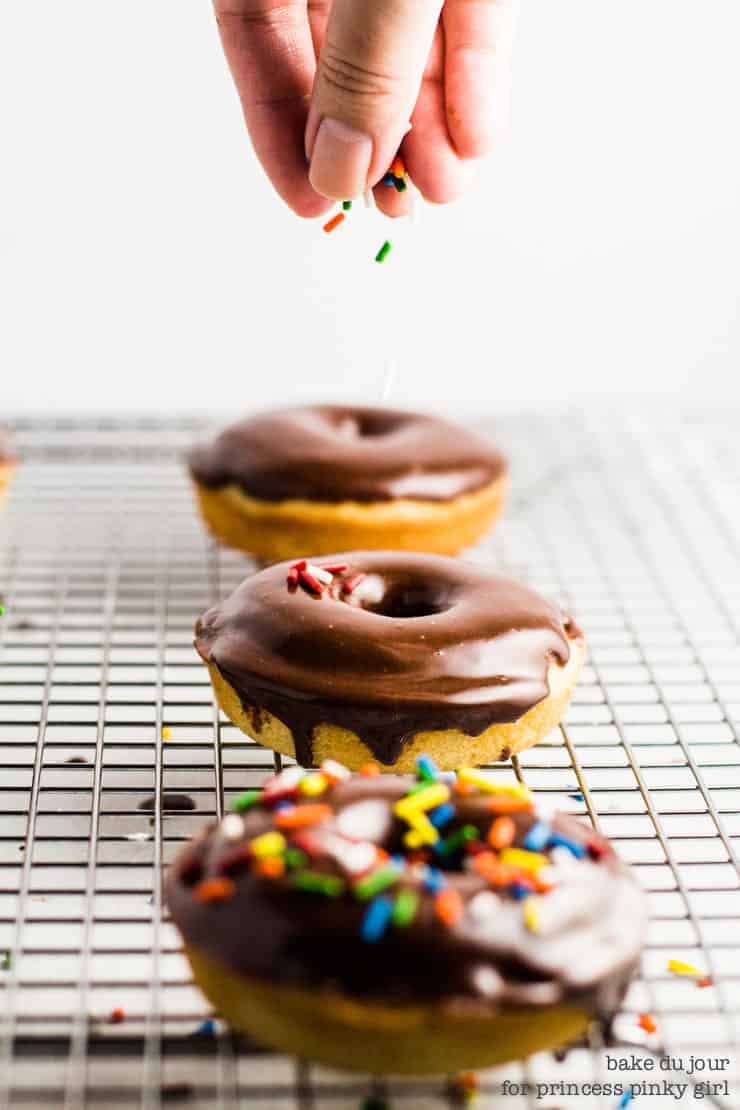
350	584
646	1022
117	1016
334	568
398	169
596	849
214	890
307	843
310	583
707	981
292	579
335	221
300	565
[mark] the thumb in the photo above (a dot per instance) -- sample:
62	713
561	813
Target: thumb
370	71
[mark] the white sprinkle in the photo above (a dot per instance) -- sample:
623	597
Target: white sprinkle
335	770
483	905
232	827
487	981
324	576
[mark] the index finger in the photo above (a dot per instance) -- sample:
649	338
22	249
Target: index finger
269	49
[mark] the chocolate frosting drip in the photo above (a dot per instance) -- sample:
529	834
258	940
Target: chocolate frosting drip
333	453
425	643
584	952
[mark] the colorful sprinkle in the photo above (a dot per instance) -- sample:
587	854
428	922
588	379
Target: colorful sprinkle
507	803
384	251
377	882
428	798
268	844
537	837
315	883
678	967
346	205
397	167
375	922
214	890
575	849
456	841
471	776
314	785
246	801
271	867
427	769
525	861
442	815
707	981
646	1022
370	770
404	908
291	579
294	858
166	733
117	1016
389	180
302	817
350	584
531	913
434	880
311	584
335	221
206	1028
334	772
625	1100
334	568
502	833
232	827
283	785
448	906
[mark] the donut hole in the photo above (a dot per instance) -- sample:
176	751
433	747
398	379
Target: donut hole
404	600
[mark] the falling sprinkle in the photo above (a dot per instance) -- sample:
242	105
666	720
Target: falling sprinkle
166	733
625	1100
334	222
707	981
646	1022
384	251
678	967
346	205
6	961
207	1028
117	1016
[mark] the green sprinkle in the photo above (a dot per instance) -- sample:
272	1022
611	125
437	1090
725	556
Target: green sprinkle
400	184
316	883
6	961
417	787
384	251
379	880
2	610
294	857
246	801
404	908
346	205
457	840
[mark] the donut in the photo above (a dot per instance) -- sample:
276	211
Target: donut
400	924
325	478
8	464
391	655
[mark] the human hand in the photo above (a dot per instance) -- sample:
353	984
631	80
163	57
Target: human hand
328	89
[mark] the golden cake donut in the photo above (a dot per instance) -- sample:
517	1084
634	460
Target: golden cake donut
405	925
8	464
381	655
324	478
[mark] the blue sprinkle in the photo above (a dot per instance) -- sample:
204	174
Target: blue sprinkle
537	837
375	921
441	815
576	796
427	769
625	1100
575	849
389	179
206	1029
434	880
282	806
518	891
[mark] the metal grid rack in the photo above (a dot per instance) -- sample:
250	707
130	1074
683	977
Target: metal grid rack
630	520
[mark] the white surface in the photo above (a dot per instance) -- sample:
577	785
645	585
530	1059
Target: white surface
145	263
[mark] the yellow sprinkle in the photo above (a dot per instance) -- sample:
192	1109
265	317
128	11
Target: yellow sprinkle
525	861
166	733
473	777
422	832
531	911
429	798
313	785
269	844
678	967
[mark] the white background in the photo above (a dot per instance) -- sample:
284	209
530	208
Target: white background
145	263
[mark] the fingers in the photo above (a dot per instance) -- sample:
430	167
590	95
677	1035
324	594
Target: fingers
270	53
478	45
370	71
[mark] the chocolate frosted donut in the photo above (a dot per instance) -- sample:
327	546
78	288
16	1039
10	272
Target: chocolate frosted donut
395	654
8	463
324	477
401	925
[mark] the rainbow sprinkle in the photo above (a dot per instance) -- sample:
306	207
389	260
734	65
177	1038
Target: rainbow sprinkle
384	251
376	920
678	967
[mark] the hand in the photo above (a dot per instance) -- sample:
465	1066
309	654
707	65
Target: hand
330	129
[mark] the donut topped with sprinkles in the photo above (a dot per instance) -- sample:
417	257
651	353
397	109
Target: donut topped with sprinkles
444	887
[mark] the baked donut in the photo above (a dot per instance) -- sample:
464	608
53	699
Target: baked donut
391	655
397	925
8	463
327	478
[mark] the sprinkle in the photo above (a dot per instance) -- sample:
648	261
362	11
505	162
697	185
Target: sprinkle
302	817
526	861
315	883
294	857
646	1022
246	801
490	867
397	168
232	827
519	891
271	867
707	981
625	1100
575	849
310	584
350	584
678	967
422	832
214	890
448	906
388	179
377	882
314	785
502	833
427	769
291	579
334	568
404	908
346	205
334	772
577	796
322	575
375	922
506	803
283	785
268	844
596	849
400	185
384	251
300	565
531	913
335	221
6	961
370	770
537	837
307	843
442	815
472	777
166	733
117	1016
484	905
434	880
207	1028
428	798
456	841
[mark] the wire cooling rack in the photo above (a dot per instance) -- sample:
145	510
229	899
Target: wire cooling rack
112	753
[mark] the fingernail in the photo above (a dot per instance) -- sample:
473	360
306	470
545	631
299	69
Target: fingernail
341	160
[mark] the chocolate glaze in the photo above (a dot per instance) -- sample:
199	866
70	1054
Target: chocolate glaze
333	453
584	952
442	644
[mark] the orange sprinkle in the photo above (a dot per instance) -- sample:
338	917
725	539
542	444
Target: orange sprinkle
214	890
502	832
490	867
398	169
509	803
335	221
370	769
646	1022
706	982
461	787
117	1016
301	817
271	867
449	906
